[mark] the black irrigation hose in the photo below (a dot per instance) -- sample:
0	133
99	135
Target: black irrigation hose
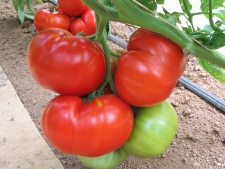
214	100
55	2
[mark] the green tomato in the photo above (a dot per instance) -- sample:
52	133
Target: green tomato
106	161
154	130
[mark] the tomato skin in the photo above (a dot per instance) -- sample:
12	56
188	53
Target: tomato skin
86	23
72	7
147	74
65	64
44	18
93	129
168	52
110	160
154	130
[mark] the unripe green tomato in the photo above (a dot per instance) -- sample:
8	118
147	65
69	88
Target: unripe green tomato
154	130
106	161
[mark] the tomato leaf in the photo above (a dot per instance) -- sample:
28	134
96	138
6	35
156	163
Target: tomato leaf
185	6
220	14
173	18
160	1
150	4
29	15
216	72
217	40
19	6
215	4
208	37
30	6
21	15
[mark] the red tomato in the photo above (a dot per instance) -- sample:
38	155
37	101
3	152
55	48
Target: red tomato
97	128
72	7
148	72
46	19
86	23
66	64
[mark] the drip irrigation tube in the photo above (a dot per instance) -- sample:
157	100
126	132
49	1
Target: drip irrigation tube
214	100
204	94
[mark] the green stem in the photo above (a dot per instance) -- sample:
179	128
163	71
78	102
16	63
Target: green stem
214	27
114	54
91	37
108	78
100	28
190	16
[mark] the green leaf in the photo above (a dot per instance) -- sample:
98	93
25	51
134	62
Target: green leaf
187	30
160	2
215	4
29	15
217	40
22	5
220	14
150	4
216	72
185	6
173	18
17	4
30	6
209	29
21	15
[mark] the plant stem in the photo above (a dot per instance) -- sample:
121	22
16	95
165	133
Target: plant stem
214	27
189	15
108	77
114	54
101	23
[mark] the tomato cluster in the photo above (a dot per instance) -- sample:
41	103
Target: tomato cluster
74	18
136	120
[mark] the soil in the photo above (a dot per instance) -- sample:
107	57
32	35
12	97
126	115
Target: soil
200	140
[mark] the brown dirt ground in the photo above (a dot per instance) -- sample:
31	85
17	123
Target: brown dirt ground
200	140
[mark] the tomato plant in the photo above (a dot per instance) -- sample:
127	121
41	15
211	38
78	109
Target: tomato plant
66	64
85	23
72	7
153	132
144	76
44	18
106	161
93	129
148	72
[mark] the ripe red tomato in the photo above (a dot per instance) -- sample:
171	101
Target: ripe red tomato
148	72
86	23
64	63
44	18
154	130
97	128
72	7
